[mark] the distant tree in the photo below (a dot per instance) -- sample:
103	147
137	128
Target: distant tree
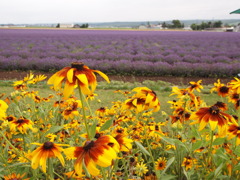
217	24
176	24
84	25
164	25
58	25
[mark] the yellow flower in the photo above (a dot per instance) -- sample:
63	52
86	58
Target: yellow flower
3	109
188	162
161	163
21	124
45	151
15	176
221	89
99	152
38	78
234	131
235	85
76	75
214	116
195	85
141	169
124	142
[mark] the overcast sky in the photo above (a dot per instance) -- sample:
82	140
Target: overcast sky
70	11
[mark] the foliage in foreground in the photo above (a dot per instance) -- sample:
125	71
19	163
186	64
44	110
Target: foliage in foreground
59	136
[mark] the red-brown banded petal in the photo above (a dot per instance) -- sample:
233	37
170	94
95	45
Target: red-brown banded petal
104	76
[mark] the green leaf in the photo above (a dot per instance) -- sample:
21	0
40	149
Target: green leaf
237	151
168	140
186	174
218	141
218	170
220	153
180	143
142	148
54	129
106	125
168	177
197	145
92	130
237	167
169	163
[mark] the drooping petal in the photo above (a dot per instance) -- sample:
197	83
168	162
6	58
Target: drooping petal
36	158
43	160
202	125
68	89
213	124
104	76
70	75
82	78
91	167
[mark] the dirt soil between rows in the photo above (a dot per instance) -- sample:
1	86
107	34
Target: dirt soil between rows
17	75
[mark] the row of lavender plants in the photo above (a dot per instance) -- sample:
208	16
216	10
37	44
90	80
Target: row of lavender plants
175	53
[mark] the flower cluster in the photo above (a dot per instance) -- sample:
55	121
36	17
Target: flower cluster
57	135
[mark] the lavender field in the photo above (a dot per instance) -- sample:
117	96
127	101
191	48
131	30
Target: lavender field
148	53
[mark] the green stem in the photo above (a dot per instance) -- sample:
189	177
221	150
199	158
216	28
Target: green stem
209	158
84	113
50	169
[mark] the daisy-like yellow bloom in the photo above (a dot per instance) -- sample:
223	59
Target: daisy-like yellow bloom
38	78
21	124
161	163
188	162
214	116
144	99
45	151
235	85
102	111
124	142
3	109
71	111
181	93
15	176
141	169
234	131
220	88
148	94
76	75
100	152
195	85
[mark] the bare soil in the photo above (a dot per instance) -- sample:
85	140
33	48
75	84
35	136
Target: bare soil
17	75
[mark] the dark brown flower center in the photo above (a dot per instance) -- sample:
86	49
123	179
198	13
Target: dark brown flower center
48	145
20	121
77	65
214	110
224	89
88	145
160	164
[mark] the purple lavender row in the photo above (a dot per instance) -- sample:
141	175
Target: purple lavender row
123	52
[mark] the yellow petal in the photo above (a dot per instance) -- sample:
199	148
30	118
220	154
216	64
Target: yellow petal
68	89
213	124
104	76
36	158
91	167
202	125
82	78
70	75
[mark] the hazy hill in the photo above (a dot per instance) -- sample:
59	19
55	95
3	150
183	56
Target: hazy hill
138	23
